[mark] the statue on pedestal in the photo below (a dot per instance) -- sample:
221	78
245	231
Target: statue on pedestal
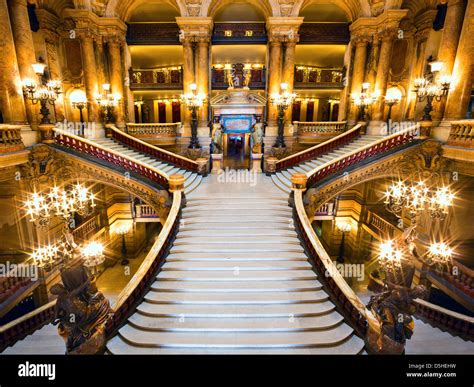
257	136
216	136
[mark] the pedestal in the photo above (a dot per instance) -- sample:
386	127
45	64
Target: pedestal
194	154
279	153
47	136
257	162
202	165
217	162
425	129
270	164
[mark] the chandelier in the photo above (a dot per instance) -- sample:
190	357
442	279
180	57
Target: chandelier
417	198
284	99
58	202
390	257
440	254
93	254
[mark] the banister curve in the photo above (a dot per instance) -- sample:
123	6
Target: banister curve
329	267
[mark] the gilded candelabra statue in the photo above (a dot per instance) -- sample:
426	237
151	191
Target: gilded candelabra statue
257	136
216	136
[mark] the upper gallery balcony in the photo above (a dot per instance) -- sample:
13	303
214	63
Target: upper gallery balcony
308	77
160	78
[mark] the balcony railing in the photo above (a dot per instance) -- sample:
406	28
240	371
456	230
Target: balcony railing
163	134
307	77
462	134
219	81
10	139
158	78
316	132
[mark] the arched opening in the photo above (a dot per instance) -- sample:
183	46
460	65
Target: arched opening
154	11
239	10
324	12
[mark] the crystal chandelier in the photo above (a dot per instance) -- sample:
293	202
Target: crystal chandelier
416	198
58	202
440	254
390	257
93	254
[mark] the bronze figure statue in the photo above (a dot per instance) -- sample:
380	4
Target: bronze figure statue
257	136
216	136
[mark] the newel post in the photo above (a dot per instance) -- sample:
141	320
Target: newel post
298	182
176	183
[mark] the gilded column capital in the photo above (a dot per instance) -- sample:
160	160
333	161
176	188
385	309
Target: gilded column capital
361	38
284	29
194	28
387	33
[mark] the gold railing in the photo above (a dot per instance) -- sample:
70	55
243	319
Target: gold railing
381	224
360	316
462	134
145	211
318	131
10	139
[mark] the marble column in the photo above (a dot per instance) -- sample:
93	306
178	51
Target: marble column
450	41
358	72
288	72
383	69
90	76
203	69
25	49
11	99
274	78
188	78
116	78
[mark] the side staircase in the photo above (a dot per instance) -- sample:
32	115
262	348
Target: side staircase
192	179
283	178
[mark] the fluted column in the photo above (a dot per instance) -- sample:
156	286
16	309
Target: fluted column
116	78
11	99
274	78
459	95
360	56
90	76
25	49
203	69
387	37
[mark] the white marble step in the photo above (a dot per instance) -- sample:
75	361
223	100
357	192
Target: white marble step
246	298
237	275
236	287
191	187
236	311
232	265
352	346
229	248
224	220
331	336
263	255
235	226
236	240
203	325
45	341
231	233
236	213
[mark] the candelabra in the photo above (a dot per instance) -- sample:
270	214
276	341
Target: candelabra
107	102
283	101
93	255
393	96
122	230
193	101
43	93
429	89
343	227
363	100
58	202
417	198
78	101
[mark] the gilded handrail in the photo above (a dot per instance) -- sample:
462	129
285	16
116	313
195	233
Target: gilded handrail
111	151
148	145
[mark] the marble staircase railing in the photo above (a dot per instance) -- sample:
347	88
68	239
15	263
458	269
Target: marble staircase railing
377	148
95	150
350	304
162	133
320	149
462	134
10	138
318	131
154	151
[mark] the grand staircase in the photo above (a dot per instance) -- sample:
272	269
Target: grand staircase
192	179
236	281
283	178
